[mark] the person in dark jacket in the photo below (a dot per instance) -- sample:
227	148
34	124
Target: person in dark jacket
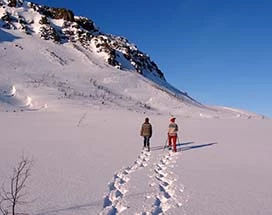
146	132
172	134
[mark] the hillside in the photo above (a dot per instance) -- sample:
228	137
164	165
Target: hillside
51	58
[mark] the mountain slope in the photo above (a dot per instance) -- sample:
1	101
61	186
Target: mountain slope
51	58
61	26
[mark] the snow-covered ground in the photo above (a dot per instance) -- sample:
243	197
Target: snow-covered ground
79	119
92	162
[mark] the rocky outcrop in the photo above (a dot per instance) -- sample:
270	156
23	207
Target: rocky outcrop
15	3
79	29
58	13
85	23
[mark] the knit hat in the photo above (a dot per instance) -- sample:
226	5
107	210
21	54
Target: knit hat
172	119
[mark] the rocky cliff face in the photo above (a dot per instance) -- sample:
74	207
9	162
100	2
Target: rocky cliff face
62	26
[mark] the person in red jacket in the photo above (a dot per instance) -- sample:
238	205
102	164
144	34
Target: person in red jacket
172	134
146	132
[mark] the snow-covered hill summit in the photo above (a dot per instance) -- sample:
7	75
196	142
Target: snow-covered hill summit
62	26
51	58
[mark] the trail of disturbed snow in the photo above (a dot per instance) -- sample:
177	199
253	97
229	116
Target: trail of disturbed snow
147	187
169	190
115	201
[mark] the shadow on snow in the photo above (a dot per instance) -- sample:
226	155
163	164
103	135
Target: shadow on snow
195	147
96	204
181	148
155	148
7	37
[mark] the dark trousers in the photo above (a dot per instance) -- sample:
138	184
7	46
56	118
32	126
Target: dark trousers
146	142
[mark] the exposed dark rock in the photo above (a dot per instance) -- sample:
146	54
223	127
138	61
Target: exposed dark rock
22	20
26	29
44	21
62	13
49	33
15	3
6	17
85	23
83	30
57	13
12	3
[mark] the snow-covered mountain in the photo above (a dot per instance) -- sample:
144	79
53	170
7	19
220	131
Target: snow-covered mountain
50	58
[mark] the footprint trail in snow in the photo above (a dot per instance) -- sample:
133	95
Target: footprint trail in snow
114	201
168	193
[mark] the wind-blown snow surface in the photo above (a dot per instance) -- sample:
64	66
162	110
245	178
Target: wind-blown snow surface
91	162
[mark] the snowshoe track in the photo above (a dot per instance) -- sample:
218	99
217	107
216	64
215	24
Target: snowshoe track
114	201
167	193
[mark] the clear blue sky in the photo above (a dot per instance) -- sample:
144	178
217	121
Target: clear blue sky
220	52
